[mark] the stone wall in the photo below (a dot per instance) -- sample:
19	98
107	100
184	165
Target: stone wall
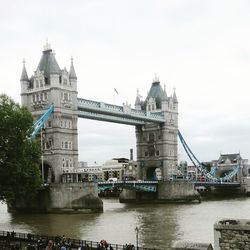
79	197
232	234
168	191
177	191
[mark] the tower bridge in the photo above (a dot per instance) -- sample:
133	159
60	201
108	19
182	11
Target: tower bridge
155	119
51	95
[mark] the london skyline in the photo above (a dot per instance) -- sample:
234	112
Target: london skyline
200	47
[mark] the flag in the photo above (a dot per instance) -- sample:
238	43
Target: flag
116	91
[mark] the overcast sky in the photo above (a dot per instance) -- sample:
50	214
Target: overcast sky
200	47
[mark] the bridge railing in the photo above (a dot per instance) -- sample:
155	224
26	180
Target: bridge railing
8	240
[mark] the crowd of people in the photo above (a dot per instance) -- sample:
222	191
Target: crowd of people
34	242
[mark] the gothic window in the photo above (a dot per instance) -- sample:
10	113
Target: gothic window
46	79
65	96
151	137
33	98
41	96
37	84
65	124
69	124
49	124
157	152
37	97
62	144
146	153
41	83
151	150
60	79
67	163
64	81
45	96
61	124
48	144
66	145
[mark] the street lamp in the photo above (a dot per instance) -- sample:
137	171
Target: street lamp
42	163
136	233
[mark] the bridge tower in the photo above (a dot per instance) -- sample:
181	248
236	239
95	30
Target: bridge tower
157	143
48	85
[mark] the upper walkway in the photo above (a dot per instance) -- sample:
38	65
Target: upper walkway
118	114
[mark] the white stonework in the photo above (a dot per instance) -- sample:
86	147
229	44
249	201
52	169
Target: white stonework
157	143
48	85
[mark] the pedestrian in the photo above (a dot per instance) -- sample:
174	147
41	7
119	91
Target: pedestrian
50	245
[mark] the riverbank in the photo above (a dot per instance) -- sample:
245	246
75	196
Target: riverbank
20	241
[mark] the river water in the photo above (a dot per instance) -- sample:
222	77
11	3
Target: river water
159	225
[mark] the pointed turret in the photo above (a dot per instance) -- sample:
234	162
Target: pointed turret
156	92
72	73
48	63
165	97
174	96
138	101
24	76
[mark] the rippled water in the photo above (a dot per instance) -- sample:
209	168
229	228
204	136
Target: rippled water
159	225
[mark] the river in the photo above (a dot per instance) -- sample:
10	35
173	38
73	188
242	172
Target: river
159	225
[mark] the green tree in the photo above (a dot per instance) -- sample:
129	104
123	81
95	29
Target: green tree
20	175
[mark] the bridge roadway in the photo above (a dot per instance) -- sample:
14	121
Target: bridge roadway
143	186
151	186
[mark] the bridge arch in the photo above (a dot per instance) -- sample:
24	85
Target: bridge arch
150	173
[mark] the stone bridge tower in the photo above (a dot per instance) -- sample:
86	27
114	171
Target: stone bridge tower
48	85
157	143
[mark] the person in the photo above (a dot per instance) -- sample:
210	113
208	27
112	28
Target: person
50	245
111	248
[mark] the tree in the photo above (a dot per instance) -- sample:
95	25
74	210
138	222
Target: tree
20	175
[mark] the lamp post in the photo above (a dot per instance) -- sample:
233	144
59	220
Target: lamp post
42	156
136	233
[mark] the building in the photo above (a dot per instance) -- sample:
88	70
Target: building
51	84
115	168
157	143
228	162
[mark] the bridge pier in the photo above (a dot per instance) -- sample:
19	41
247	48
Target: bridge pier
62	198
168	191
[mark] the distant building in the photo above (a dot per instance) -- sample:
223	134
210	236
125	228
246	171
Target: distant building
223	166
227	162
115	168
83	173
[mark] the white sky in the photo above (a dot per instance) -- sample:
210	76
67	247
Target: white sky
200	47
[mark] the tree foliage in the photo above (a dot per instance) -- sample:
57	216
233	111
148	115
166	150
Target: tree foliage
19	155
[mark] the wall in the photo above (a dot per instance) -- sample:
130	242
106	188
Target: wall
177	191
63	198
232	234
168	191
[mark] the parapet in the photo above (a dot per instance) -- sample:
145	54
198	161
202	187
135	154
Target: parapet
232	234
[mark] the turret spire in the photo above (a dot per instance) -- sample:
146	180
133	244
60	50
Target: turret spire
174	96
72	73
165	97
24	76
